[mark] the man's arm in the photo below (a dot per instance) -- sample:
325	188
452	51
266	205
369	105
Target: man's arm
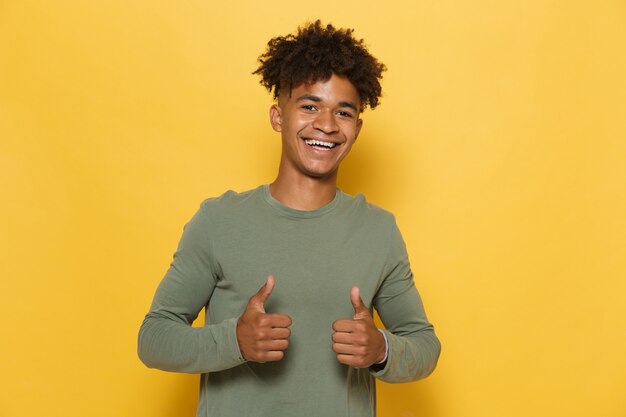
166	339
407	349
413	346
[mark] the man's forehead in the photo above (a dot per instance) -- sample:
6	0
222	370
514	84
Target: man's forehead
322	89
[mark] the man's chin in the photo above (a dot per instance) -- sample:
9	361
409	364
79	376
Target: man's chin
322	174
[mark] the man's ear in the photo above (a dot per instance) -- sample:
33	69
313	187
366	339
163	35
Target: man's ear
359	125
276	118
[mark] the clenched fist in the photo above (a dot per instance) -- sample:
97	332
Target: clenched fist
262	337
357	342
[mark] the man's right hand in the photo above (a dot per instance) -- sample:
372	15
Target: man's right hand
262	337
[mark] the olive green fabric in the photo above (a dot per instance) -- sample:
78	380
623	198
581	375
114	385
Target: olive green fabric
225	254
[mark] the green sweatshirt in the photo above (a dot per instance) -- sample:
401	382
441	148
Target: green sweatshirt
226	253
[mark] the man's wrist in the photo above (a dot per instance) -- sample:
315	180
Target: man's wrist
386	348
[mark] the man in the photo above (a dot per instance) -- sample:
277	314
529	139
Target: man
289	272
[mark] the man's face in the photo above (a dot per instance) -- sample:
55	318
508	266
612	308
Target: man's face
318	122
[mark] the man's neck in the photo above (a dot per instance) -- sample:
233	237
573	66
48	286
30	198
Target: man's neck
304	193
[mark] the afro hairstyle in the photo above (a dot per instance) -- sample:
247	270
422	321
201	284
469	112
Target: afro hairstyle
314	54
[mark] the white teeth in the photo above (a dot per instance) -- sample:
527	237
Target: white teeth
320	143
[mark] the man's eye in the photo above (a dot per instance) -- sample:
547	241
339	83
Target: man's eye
309	107
344	114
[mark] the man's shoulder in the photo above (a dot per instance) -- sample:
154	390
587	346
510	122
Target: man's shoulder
229	200
359	204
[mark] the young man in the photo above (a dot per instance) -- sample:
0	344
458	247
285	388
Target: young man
289	272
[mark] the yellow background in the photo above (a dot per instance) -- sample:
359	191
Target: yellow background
500	145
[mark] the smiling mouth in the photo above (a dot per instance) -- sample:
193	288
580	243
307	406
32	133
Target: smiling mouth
320	144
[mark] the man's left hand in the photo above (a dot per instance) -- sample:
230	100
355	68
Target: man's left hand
358	342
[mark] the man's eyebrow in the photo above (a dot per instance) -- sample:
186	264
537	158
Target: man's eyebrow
309	97
347	104
317	99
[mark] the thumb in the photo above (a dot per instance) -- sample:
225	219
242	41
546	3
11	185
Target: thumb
360	310
258	300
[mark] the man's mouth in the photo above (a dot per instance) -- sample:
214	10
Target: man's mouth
320	144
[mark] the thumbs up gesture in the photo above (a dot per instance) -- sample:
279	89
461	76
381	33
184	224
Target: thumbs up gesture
262	337
357	342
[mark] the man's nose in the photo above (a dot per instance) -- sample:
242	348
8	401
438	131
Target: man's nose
325	121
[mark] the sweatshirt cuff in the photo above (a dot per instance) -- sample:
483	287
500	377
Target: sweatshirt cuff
234	344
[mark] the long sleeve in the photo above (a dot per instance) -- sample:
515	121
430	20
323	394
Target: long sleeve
413	346
167	340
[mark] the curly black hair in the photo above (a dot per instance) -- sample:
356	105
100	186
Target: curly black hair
316	53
